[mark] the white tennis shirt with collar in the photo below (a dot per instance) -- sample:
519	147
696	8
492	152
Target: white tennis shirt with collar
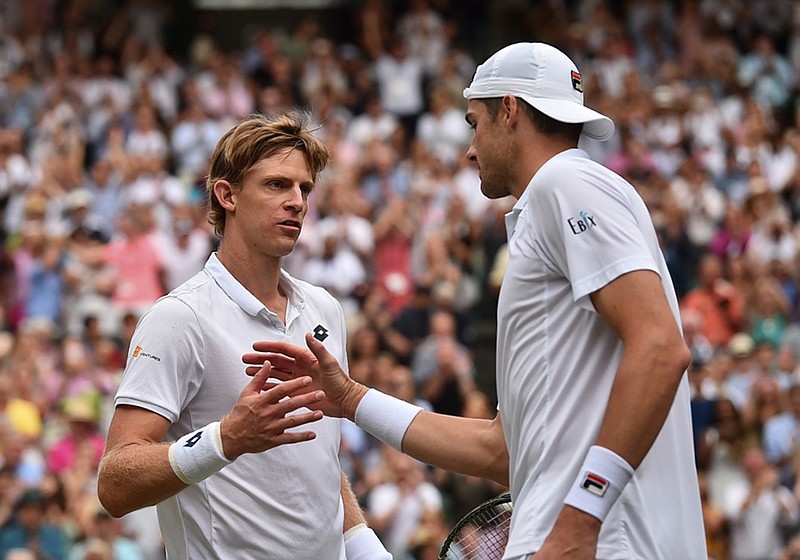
576	228
185	364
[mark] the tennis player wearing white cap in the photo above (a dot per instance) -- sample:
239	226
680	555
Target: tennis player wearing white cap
595	439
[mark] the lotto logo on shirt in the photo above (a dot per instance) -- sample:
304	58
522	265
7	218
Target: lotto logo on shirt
584	222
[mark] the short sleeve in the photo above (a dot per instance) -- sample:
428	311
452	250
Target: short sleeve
164	366
587	229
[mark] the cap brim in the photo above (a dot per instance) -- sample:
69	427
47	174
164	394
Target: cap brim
595	125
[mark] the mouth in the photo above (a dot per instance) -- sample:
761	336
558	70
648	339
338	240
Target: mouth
293	224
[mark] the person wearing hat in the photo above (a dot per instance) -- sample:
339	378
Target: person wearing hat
595	440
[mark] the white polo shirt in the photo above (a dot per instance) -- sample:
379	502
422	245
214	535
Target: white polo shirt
185	363
577	227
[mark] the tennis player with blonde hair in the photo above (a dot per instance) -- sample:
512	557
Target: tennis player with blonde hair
238	467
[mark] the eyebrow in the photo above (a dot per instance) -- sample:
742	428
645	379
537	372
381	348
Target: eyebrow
286	179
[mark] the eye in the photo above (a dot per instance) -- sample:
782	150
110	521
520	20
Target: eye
306	190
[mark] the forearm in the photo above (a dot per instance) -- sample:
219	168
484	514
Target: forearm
136	476
353	514
471	446
641	397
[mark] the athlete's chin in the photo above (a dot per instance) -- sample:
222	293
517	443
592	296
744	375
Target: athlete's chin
492	190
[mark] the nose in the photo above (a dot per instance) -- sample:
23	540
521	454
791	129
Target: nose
472	154
295	200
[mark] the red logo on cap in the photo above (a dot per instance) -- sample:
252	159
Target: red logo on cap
577	83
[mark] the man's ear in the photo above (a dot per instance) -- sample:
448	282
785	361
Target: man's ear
510	109
226	195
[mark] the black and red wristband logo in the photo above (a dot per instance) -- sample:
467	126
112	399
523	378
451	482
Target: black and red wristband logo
595	484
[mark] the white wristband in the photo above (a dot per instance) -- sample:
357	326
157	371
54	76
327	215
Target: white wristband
600	481
361	543
198	454
385	417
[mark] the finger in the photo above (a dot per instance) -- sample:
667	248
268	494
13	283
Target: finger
281	362
307	399
286	389
260	378
294	437
255	358
323	357
277	373
278	347
296	420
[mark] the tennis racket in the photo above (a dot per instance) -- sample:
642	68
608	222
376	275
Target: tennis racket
482	534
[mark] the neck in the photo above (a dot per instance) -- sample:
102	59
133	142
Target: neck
259	275
533	159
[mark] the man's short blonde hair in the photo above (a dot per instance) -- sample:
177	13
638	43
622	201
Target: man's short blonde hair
253	139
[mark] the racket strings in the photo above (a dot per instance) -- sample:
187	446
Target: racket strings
484	537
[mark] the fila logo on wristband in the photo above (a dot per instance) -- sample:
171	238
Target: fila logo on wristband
595	484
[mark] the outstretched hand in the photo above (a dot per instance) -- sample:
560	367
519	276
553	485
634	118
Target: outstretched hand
289	361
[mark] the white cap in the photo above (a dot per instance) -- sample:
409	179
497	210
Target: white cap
545	78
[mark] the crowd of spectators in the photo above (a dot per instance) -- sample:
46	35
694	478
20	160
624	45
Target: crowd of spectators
106	125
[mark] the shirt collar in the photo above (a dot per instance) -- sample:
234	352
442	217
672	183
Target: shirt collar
513	215
249	303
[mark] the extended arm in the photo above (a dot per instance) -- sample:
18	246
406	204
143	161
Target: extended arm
469	446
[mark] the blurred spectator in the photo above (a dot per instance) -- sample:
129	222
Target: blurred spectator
744	370
768	312
18	414
781	436
134	261
146	139
680	253
716	526
223	91
767	73
192	141
759	510
397	506
732	237
442	129
430	355
718	302
411	325
83	439
107	538
394	229
28	529
400	79
703	203
185	246
720	449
